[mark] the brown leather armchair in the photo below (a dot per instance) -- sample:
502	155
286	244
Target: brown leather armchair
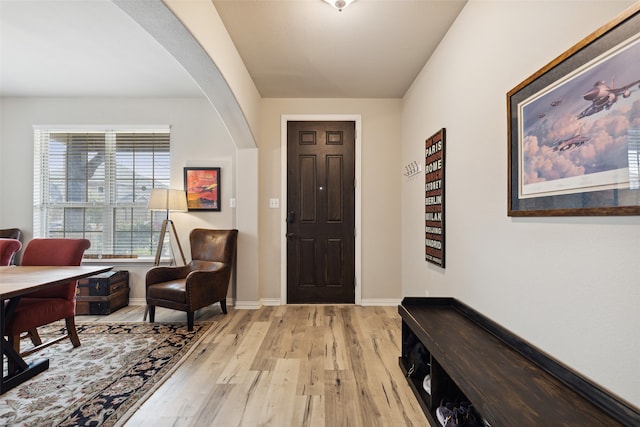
202	282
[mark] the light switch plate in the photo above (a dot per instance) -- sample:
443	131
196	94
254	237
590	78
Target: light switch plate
274	203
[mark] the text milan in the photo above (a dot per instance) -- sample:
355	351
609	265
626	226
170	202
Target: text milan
433	216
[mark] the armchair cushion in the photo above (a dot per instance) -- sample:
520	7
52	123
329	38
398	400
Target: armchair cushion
174	290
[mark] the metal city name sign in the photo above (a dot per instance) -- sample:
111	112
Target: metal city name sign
434	198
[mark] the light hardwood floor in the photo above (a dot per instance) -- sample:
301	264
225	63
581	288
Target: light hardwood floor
294	365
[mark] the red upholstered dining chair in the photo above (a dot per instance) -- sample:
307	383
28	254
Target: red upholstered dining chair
202	282
12	233
52	304
8	248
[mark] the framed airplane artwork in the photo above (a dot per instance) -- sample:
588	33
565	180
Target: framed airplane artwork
574	129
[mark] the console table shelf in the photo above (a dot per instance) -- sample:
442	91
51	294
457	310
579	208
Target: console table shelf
508	381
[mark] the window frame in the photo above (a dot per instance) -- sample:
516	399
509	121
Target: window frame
108	246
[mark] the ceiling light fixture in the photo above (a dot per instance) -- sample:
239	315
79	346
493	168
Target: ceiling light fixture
339	4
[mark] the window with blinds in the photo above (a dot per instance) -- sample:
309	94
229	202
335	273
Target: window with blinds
96	184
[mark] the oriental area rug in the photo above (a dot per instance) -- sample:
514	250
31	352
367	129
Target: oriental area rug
102	382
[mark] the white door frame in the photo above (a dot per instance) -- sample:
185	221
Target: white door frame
283	192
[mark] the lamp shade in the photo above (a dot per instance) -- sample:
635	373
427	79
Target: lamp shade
167	200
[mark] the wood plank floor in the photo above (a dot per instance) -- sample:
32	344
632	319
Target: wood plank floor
294	365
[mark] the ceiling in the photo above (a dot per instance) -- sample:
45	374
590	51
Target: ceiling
82	48
292	48
306	48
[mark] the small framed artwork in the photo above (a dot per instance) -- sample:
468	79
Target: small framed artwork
574	129
203	188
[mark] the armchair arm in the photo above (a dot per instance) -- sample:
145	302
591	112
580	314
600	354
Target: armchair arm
165	274
209	285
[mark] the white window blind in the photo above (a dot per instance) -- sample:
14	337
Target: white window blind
96	184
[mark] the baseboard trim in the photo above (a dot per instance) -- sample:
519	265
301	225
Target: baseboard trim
378	302
254	305
247	305
381	302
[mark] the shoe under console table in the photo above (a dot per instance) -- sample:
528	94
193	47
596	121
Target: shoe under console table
508	381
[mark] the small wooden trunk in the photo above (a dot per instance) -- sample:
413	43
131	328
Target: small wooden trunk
103	293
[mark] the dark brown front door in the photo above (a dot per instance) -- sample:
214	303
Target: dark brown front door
320	212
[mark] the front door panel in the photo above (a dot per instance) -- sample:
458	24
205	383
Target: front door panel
321	212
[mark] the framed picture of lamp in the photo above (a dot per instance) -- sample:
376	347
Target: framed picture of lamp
574	129
202	185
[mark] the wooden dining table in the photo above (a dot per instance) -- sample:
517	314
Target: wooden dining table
15	282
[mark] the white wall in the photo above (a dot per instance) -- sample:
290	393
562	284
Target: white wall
201	18
570	286
380	207
198	138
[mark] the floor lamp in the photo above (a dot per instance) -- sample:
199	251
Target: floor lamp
163	199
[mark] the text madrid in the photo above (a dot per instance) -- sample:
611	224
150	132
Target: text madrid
433	243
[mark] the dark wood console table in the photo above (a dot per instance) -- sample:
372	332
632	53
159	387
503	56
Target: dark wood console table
508	381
